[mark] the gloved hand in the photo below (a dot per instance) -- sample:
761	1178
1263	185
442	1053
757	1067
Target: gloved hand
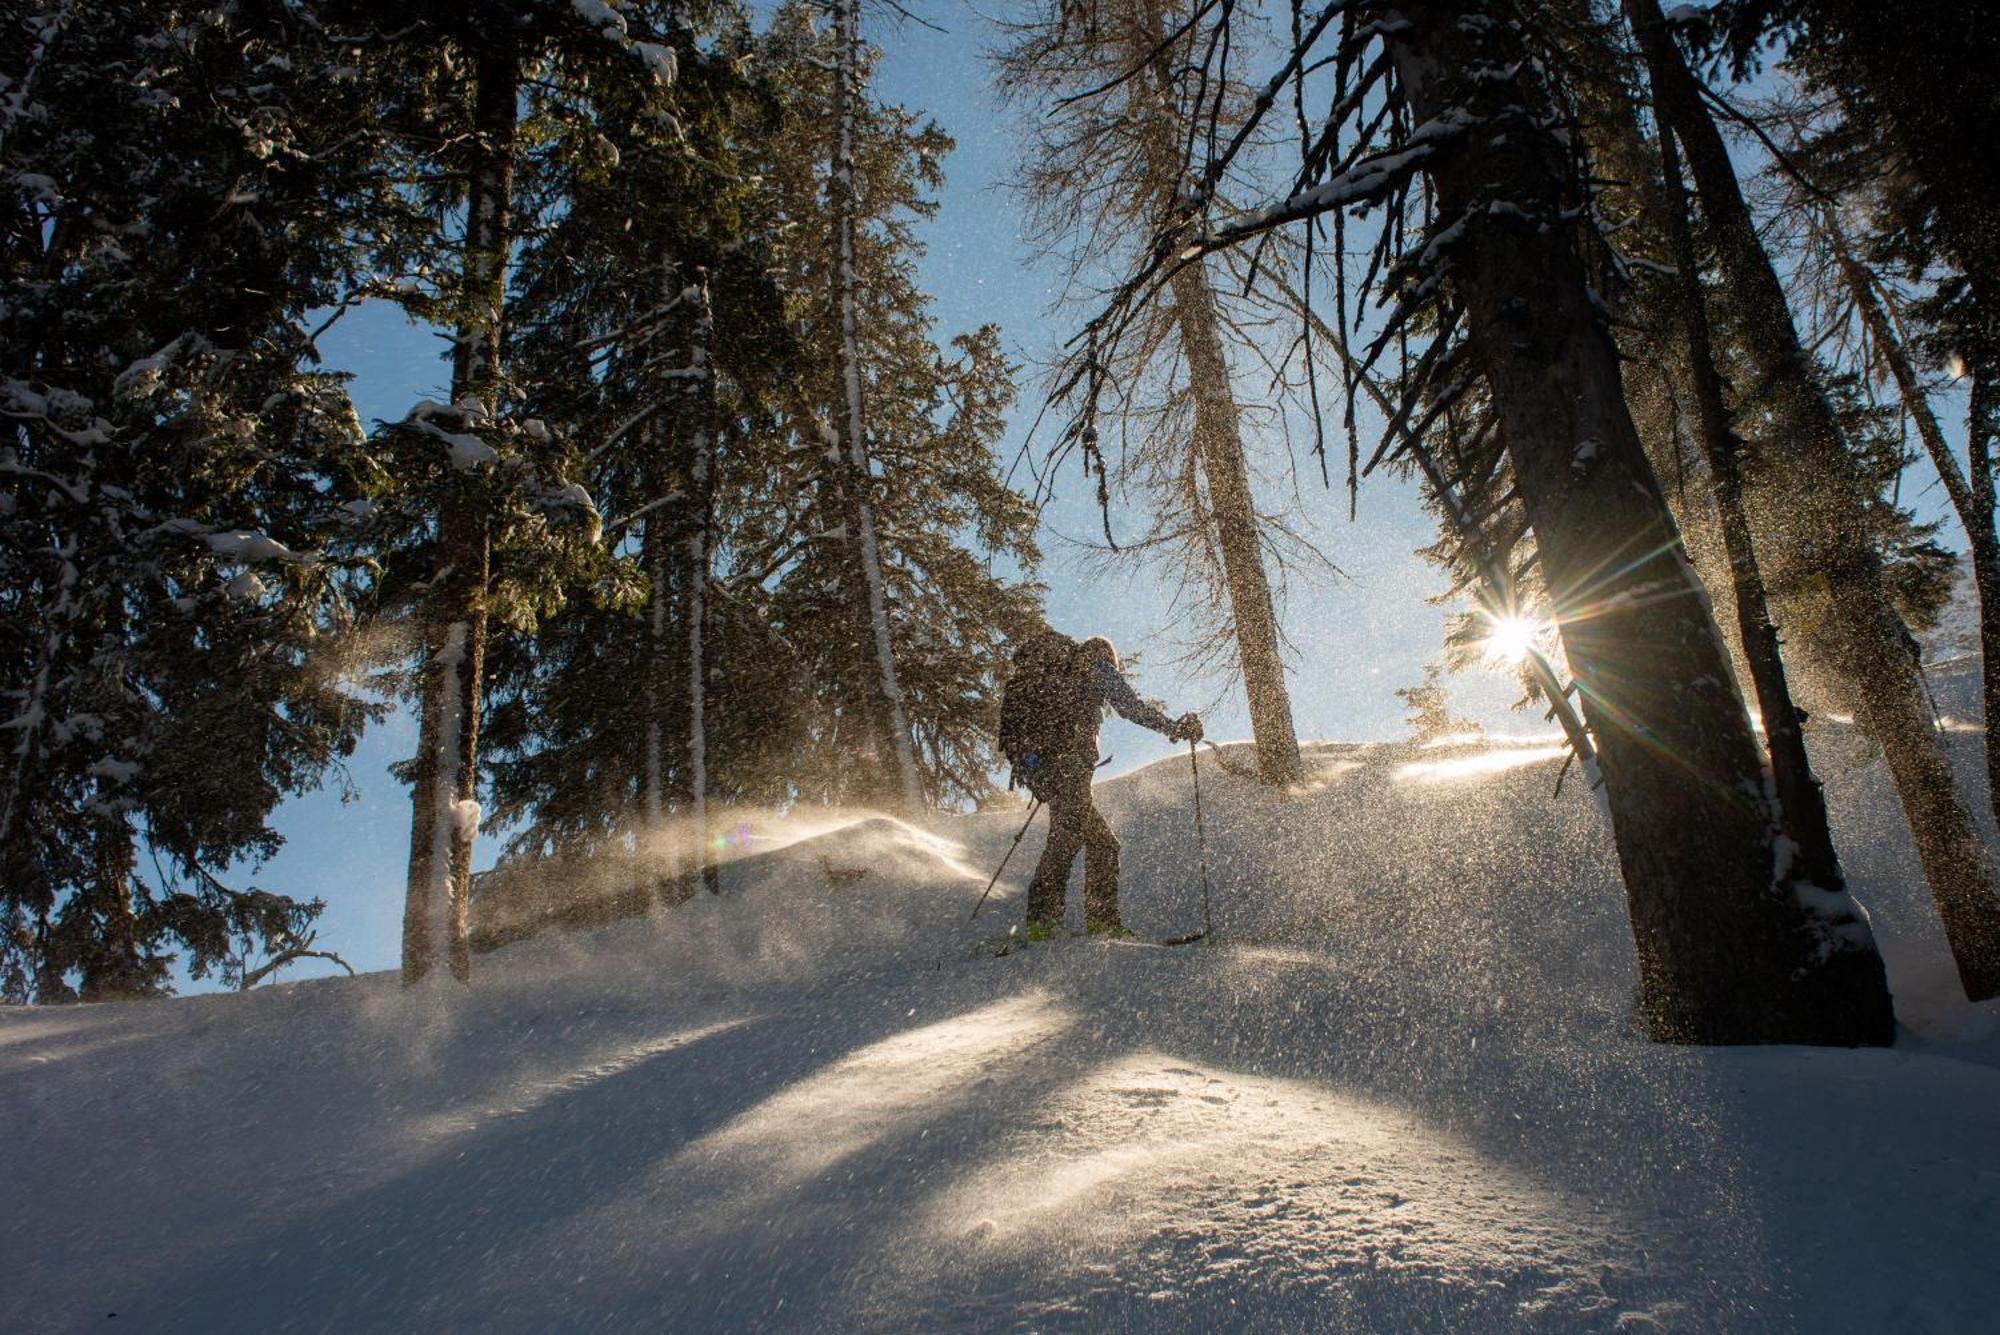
1187	728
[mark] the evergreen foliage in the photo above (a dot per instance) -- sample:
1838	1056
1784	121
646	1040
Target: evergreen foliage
178	483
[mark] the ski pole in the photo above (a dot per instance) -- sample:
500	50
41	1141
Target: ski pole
1033	807
1200	839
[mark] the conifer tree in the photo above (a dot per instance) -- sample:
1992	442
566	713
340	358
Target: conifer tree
882	743
1492	287
180	491
474	473
1881	302
932	420
623	344
1811	502
705	246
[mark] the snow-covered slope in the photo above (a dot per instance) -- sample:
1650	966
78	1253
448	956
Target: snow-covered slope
1399	1090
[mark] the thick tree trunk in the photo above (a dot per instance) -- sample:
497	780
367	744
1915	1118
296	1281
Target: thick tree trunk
894	779
1646	309
1728	953
444	809
1800	798
1806	500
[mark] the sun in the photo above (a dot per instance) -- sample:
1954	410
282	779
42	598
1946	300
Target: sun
1511	638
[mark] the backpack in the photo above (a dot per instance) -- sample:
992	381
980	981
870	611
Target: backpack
1047	707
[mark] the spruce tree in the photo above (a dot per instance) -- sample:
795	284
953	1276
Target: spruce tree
180	489
679	292
1811	504
487	515
646	321
933	419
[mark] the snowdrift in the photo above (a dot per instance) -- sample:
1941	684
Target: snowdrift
1400	1089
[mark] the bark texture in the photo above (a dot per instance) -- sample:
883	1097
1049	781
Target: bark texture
1800	798
1727	953
1972	499
1806	502
443	807
1218	442
697	422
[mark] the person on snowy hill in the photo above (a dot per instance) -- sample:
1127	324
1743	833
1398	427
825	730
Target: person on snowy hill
1049	711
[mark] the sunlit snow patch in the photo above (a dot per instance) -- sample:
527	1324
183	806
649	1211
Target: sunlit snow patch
858	833
869	1094
1188	1177
1472	766
533	1091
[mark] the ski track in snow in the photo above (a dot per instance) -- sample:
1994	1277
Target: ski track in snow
1401	1090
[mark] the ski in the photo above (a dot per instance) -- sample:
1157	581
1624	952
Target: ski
1171	943
1001	946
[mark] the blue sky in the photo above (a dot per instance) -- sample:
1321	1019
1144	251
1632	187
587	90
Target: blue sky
1359	636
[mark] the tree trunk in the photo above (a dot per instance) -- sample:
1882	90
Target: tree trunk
697	422
1646	309
1219	442
893	777
112	970
445	810
1807	502
1727	952
1218	434
659	853
1801	801
1985	543
1973	500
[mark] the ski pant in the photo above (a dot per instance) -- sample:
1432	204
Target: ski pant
1073	824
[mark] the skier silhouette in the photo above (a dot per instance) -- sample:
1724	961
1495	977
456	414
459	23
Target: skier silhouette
1049	713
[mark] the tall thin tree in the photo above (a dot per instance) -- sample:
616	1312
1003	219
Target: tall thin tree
1808	502
892	773
444	809
1100	168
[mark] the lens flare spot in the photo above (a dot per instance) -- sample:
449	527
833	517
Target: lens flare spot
1512	637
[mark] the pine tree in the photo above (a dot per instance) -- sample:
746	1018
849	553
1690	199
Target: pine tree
933	422
1797	787
179	488
1867	286
594	754
1811	503
884	745
473	474
647	324
1918	77
1733	945
1428	705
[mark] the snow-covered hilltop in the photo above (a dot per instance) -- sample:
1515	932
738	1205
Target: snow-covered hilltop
1402	1089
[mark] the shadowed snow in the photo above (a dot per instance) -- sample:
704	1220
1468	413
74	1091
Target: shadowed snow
1401	1088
